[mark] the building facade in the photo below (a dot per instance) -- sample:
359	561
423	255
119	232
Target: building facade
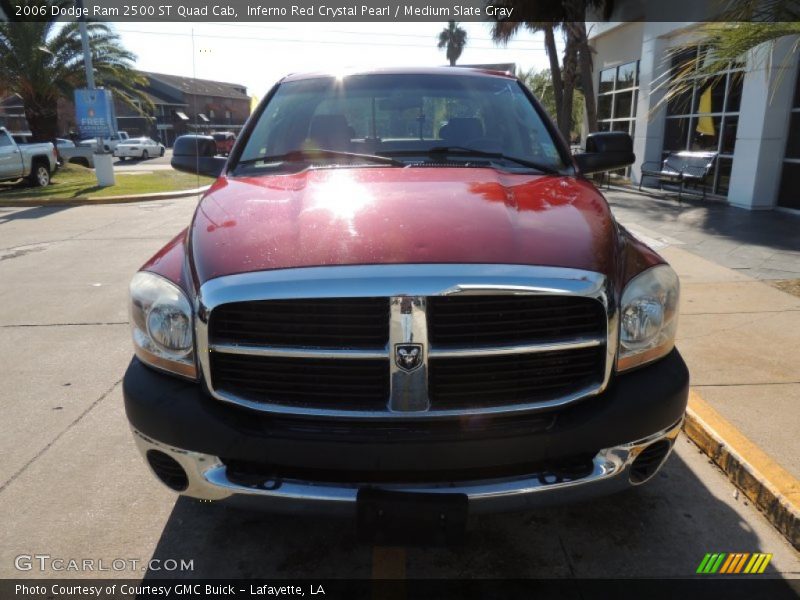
182	105
749	115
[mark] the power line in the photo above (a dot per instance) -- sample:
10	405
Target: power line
352	32
333	42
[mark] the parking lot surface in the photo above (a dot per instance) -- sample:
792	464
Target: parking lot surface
72	484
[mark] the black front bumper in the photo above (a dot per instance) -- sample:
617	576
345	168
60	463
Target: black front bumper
182	415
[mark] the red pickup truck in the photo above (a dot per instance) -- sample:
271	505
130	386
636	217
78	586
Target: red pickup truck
402	299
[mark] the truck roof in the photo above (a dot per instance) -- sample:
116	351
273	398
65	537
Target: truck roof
444	71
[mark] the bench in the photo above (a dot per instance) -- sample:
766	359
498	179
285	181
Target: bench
682	168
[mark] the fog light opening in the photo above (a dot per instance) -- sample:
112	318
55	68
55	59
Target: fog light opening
648	462
168	470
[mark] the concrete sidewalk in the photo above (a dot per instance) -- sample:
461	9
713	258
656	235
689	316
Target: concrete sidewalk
739	336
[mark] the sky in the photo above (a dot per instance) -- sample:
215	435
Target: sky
258	54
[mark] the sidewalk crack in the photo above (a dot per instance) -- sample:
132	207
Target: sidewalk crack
50	444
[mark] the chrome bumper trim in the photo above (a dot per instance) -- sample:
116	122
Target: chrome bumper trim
208	480
576	344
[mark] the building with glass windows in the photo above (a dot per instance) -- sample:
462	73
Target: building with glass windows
749	116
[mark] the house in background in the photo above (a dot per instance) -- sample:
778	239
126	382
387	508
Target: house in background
189	105
12	115
750	116
182	105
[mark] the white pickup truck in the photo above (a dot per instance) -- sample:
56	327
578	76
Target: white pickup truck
36	162
109	144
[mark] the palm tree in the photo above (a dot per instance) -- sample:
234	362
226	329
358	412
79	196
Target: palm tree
569	17
454	38
504	31
42	61
746	25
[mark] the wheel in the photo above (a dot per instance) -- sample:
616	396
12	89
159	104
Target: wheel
121	158
162	152
40	175
145	155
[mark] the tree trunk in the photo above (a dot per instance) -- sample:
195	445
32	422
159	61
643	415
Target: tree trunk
555	67
587	78
42	117
568	74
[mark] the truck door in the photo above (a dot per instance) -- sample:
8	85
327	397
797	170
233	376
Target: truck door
10	158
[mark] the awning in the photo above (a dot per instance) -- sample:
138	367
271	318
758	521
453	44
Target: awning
204	118
181	116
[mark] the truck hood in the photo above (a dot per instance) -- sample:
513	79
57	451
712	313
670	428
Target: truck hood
382	215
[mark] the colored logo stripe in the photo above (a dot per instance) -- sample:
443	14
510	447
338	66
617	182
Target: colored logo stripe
723	563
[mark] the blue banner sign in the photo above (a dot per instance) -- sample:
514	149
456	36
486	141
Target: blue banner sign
94	113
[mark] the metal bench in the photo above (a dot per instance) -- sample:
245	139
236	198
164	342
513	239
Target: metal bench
682	168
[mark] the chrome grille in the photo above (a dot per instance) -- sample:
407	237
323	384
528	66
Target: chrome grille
513	378
316	322
498	320
492	339
344	384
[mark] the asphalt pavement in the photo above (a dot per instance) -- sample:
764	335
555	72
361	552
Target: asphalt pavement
72	484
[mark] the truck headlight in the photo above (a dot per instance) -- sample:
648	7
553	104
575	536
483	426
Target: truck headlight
648	317
161	323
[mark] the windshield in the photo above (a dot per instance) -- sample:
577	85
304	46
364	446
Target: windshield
417	118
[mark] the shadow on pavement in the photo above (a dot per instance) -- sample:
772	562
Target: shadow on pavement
662	529
37	212
771	229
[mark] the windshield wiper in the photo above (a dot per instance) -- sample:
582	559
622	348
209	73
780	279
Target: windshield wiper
463	151
308	155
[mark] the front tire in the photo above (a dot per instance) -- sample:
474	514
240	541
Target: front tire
40	175
145	155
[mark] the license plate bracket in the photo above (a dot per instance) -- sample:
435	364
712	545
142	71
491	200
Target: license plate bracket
390	517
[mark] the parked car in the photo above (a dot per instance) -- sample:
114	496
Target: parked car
36	162
141	147
224	141
80	155
63	144
109	143
373	315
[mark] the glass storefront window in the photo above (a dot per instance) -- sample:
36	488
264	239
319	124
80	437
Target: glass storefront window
706	117
789	192
617	93
606	81
793	143
627	75
604	107
622	105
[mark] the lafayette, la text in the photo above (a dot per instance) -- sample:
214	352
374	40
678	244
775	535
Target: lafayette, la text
178	589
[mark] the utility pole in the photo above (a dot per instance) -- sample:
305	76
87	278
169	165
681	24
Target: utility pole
103	164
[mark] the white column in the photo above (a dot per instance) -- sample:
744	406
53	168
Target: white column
649	135
763	126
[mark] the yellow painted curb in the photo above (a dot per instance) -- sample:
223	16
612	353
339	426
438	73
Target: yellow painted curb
31	202
768	485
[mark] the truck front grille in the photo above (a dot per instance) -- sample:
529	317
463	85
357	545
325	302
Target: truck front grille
497	320
496	380
322	323
304	382
492	351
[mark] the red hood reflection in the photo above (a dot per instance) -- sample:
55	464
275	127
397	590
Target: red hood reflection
379	215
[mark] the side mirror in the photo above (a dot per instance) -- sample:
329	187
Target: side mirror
197	154
606	151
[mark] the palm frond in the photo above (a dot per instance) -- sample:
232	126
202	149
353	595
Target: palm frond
717	46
